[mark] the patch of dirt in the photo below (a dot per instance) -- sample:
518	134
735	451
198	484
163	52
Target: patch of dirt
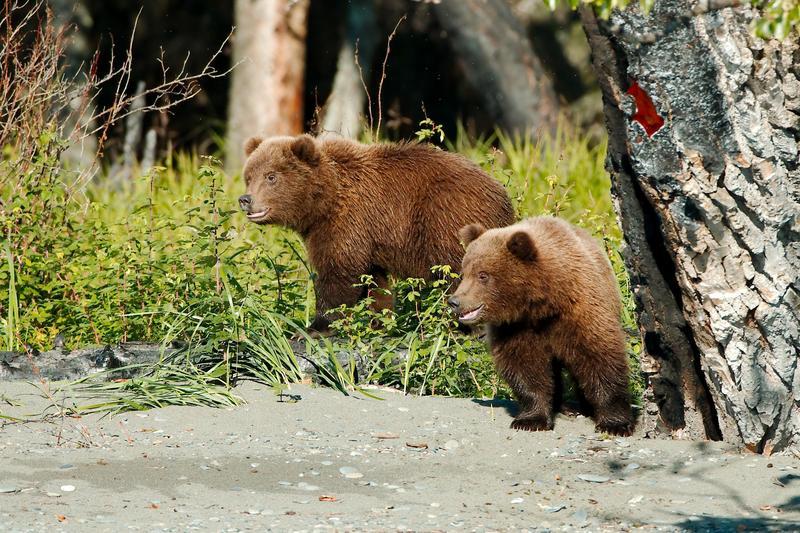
337	462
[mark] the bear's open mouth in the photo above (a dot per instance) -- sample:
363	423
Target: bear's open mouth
255	217
470	316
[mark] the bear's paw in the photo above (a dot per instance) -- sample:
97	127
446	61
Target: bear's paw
618	428
532	423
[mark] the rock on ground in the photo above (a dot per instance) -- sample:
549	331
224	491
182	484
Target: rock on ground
425	463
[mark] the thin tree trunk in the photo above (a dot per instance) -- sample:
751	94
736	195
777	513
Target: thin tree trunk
81	152
704	122
343	112
266	96
500	63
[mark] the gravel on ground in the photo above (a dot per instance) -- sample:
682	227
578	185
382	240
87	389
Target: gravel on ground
327	461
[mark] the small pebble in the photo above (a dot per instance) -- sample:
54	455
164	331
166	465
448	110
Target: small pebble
592	478
452	444
67	488
350	472
517	500
631	467
553	508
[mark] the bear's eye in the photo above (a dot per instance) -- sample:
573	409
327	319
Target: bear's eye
483	277
272	178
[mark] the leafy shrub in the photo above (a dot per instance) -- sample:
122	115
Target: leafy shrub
168	258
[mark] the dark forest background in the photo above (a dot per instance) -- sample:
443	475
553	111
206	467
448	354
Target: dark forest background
424	74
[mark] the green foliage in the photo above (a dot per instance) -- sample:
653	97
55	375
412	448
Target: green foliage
429	130
416	346
778	17
168	258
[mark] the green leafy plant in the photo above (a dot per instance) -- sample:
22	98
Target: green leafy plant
168	258
779	18
429	130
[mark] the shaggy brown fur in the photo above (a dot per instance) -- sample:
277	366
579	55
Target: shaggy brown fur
368	209
548	295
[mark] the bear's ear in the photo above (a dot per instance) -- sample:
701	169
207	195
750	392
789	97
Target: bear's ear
469	233
251	144
304	148
521	245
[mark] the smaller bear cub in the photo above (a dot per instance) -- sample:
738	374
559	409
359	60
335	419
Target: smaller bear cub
548	296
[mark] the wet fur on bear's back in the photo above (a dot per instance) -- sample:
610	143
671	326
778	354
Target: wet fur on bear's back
549	296
375	209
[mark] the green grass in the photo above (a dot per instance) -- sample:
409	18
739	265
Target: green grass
168	257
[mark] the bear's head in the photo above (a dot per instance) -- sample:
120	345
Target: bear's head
500	276
280	176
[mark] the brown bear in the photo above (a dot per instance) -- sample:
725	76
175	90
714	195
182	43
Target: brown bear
547	294
380	209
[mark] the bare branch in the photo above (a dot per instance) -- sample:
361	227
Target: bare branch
36	96
383	70
366	90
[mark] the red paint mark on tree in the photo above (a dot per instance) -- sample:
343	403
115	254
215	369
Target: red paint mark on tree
646	113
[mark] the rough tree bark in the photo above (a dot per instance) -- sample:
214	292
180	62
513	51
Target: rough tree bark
499	61
266	96
704	122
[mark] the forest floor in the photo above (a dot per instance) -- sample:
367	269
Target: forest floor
323	460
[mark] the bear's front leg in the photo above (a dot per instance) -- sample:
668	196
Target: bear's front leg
529	373
535	398
602	375
333	290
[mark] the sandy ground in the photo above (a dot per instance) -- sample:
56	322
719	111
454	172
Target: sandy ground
329	461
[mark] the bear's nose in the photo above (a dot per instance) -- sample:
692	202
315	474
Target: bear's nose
453	302
245	201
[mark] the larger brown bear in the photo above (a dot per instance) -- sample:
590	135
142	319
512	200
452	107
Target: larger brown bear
368	209
548	295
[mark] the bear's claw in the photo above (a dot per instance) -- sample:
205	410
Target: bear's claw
538	423
616	428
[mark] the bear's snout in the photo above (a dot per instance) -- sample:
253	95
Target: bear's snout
246	202
454	302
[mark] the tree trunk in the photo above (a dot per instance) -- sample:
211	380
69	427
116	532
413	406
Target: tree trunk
81	151
344	108
266	95
704	122
500	63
